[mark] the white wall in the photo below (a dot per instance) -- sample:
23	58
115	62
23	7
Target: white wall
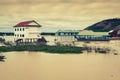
18	32
65	38
50	39
33	32
29	32
9	38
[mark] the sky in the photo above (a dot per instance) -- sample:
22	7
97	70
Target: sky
57	14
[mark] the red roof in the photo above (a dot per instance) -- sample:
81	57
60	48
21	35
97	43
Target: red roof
27	24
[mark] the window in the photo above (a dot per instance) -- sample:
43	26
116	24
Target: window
67	34
20	29
15	29
23	29
22	35
71	34
62	34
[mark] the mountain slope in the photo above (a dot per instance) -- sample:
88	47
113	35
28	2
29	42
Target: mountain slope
105	25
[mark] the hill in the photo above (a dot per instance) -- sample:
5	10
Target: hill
105	25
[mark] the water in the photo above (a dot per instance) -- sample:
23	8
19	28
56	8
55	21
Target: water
45	66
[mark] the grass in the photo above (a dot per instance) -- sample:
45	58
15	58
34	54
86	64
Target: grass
49	49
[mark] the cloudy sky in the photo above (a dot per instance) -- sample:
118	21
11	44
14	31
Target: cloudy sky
57	14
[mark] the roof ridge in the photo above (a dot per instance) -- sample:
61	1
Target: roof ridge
26	23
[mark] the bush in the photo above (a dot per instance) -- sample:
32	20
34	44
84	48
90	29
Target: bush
49	49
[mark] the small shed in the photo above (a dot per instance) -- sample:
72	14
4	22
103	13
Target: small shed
41	42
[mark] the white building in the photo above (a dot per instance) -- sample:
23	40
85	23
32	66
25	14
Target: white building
27	31
66	37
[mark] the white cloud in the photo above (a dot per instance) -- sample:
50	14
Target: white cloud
66	13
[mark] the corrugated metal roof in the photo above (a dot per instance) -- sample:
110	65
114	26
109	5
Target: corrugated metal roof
91	33
27	24
68	31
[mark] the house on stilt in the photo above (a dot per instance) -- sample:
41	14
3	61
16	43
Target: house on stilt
27	32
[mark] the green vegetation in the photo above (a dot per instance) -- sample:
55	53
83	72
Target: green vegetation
49	49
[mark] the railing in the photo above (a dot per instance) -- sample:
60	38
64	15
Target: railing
92	38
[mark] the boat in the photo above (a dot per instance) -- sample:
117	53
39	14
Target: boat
115	53
2	57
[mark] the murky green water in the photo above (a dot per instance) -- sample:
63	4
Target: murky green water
45	66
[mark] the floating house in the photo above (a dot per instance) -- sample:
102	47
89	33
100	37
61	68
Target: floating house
88	35
66	36
27	31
